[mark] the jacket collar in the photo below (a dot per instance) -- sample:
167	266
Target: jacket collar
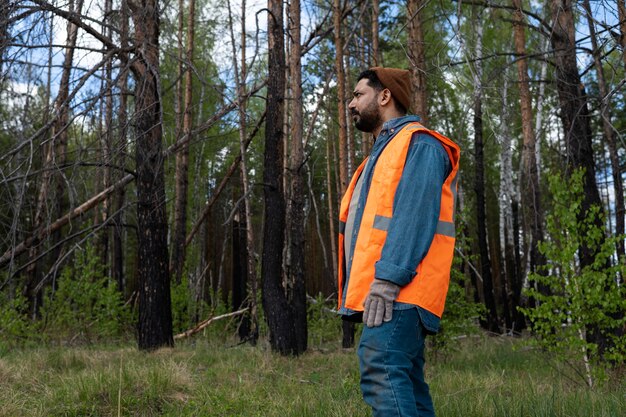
391	127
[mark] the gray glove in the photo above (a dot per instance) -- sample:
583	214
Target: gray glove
379	302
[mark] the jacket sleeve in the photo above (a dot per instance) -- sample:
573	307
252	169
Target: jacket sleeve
415	210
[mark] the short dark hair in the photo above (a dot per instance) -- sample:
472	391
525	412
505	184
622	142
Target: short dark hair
374	82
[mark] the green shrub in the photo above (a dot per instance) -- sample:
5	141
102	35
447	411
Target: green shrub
15	325
84	303
323	323
575	300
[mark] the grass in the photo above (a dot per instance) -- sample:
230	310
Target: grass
210	377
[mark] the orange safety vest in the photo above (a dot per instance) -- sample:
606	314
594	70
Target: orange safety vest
429	287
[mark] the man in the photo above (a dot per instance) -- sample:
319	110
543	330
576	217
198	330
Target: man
396	243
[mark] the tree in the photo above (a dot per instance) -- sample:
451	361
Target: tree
54	157
417	59
580	297
608	131
277	310
574	109
182	156
621	13
295	271
531	206
348	327
249	269
155	315
479	181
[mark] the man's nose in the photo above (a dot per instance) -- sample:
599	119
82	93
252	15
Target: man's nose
352	104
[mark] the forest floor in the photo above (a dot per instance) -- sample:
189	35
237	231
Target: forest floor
209	376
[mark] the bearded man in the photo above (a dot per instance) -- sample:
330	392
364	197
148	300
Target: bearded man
396	243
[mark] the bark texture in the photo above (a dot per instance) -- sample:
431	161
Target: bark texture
155	317
417	58
277	310
296	227
574	110
479	186
182	156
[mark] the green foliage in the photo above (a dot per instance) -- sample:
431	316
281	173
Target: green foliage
324	325
85	303
15	325
186	310
572	300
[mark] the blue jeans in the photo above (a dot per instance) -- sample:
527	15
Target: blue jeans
391	358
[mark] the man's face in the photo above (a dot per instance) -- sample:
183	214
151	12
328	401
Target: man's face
364	107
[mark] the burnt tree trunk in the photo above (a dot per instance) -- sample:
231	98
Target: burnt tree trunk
574	111
154	328
277	310
609	132
240	272
479	187
296	227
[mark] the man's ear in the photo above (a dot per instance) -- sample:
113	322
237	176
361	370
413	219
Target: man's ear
384	98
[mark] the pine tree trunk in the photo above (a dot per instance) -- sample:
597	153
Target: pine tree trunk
250	270
376	58
155	315
531	197
240	271
117	244
106	140
182	156
574	111
277	311
348	327
609	132
296	226
331	212
479	186
417	58
341	97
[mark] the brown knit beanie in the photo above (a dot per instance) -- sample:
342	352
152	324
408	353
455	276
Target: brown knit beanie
398	81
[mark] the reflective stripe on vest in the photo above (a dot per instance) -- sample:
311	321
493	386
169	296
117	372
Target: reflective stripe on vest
429	287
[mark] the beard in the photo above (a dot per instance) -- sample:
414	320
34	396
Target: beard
368	119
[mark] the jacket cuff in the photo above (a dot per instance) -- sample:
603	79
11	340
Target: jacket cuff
393	273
